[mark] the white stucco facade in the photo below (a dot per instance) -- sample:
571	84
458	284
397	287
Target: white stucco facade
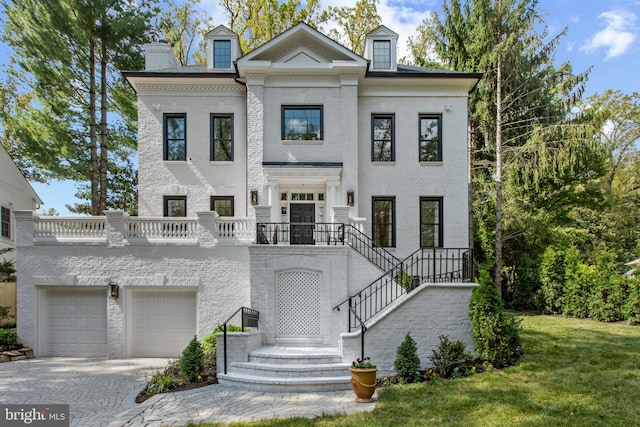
300	231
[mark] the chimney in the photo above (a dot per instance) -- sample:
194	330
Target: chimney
158	56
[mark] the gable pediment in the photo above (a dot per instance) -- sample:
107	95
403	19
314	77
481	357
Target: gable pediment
382	31
301	47
302	58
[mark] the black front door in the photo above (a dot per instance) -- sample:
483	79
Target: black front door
303	217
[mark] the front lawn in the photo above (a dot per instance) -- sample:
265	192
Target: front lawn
574	372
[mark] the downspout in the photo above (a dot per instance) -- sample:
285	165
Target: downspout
246	135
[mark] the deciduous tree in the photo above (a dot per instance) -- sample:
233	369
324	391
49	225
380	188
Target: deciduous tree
258	21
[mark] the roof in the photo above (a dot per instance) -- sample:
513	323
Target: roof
416	71
16	172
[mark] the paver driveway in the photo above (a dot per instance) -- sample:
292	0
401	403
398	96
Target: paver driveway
101	392
96	389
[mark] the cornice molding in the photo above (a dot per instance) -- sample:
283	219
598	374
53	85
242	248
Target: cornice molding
189	88
412	90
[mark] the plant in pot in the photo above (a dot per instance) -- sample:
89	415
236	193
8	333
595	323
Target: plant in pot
363	379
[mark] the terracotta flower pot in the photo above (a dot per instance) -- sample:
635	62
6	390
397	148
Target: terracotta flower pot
363	382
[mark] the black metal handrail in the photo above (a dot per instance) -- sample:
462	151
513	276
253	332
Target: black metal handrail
426	265
365	246
249	319
363	329
299	233
308	233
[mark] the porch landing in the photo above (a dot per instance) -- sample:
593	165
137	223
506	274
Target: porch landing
290	369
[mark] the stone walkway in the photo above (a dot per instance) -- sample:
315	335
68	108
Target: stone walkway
101	392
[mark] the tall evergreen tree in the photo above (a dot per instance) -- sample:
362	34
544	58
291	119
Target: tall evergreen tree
520	134
68	53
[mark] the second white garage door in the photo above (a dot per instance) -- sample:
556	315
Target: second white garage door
163	322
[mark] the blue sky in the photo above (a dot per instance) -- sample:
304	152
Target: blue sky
602	34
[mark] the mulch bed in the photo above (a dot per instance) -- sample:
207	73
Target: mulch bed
180	382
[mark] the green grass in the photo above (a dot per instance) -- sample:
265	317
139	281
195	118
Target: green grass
573	373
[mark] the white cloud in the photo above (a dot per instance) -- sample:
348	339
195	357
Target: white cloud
617	36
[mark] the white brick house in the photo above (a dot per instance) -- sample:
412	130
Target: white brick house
298	180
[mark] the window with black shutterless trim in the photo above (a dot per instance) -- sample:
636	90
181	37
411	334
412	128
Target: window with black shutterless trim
430	222
175	206
383	211
6	222
302	123
430	144
221	137
221	54
175	136
382	138
223	205
381	54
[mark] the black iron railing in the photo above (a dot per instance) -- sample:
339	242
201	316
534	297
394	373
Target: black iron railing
365	246
273	233
427	265
299	233
249	319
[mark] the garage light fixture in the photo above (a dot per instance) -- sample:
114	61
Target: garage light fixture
114	290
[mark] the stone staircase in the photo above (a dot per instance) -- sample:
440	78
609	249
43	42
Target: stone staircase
290	369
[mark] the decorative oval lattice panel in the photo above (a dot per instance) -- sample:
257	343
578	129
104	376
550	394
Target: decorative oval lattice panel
299	304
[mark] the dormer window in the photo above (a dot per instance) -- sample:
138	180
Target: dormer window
223	47
382	54
222	54
380	48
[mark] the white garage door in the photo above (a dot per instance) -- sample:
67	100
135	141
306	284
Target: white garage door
76	322
163	322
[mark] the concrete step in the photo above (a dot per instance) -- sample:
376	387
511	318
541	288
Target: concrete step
299	384
295	355
290	370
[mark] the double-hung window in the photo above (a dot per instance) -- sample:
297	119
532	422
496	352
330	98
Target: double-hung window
223	205
430	222
221	137
222	54
175	136
6	222
381	54
382	138
430	138
175	206
302	123
384	213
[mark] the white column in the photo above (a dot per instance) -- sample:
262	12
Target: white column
273	199
332	199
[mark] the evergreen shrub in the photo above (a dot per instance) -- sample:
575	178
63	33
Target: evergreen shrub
552	277
407	362
8	340
631	308
192	360
450	355
496	334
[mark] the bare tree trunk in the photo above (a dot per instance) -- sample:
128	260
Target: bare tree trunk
498	271
104	129
95	186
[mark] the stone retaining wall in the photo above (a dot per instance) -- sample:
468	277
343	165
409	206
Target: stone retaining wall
13	355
